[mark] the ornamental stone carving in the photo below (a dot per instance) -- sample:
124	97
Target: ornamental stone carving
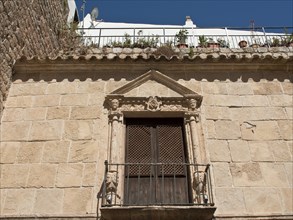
199	186
153	104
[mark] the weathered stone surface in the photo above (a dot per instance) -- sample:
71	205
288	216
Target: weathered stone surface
46	100
74	100
281	100
269	113
222	100
260	130
280	151
222	175
239	150
255	100
18	202
28	89
30	152
69	175
210	129
61	88
48	201
56	152
267	88
78	130
42	175
229	201
89	175
85	151
14	175
14	131
91	87
34	114
287	200
214	88
246	174
218	150
211	112
286	129
19	101
274	174
82	198
85	112
260	151
59	112
289	112
13	114
262	200
227	129
287	88
8	152
289	172
239	89
46	130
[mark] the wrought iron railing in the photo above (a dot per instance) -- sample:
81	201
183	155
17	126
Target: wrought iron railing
145	184
158	36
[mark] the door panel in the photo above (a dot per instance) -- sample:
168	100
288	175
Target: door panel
156	146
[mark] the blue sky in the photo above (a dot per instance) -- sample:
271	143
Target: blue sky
204	13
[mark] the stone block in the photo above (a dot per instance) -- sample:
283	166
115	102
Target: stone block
227	129
28	89
209	126
260	130
19	102
85	112
84	151
19	202
267	88
260	151
287	88
48	201
255	100
242	114
46	100
239	151
13	114
218	150
42	175
287	200
8	152
281	100
56	152
61	88
82	198
289	112
14	175
222	175
89	175
261	201
96	99
211	112
286	129
30	152
69	175
269	113
274	174
34	114
74	100
239	89
91	87
59	112
14	131
230	201
246	174
223	100
46	130
280	151
289	172
78	130
214	88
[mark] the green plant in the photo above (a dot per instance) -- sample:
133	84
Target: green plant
191	52
223	43
181	36
203	41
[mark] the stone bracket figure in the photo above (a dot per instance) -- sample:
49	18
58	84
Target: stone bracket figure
199	186
111	186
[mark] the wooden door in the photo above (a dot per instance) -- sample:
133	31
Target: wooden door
155	151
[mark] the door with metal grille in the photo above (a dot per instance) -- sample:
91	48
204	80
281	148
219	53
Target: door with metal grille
156	169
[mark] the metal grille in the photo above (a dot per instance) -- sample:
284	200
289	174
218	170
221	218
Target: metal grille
171	149
139	149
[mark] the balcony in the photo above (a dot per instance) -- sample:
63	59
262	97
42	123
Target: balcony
157	191
156	36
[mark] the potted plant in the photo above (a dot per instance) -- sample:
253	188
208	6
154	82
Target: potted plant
223	43
181	38
242	43
255	42
203	41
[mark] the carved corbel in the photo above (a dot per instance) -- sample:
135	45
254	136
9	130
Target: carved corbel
111	186
199	186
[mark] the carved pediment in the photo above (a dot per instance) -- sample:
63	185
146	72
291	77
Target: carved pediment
183	99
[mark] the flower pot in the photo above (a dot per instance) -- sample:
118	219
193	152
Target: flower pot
182	45
254	45
242	44
213	45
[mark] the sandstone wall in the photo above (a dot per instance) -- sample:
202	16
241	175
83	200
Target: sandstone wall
54	138
28	28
